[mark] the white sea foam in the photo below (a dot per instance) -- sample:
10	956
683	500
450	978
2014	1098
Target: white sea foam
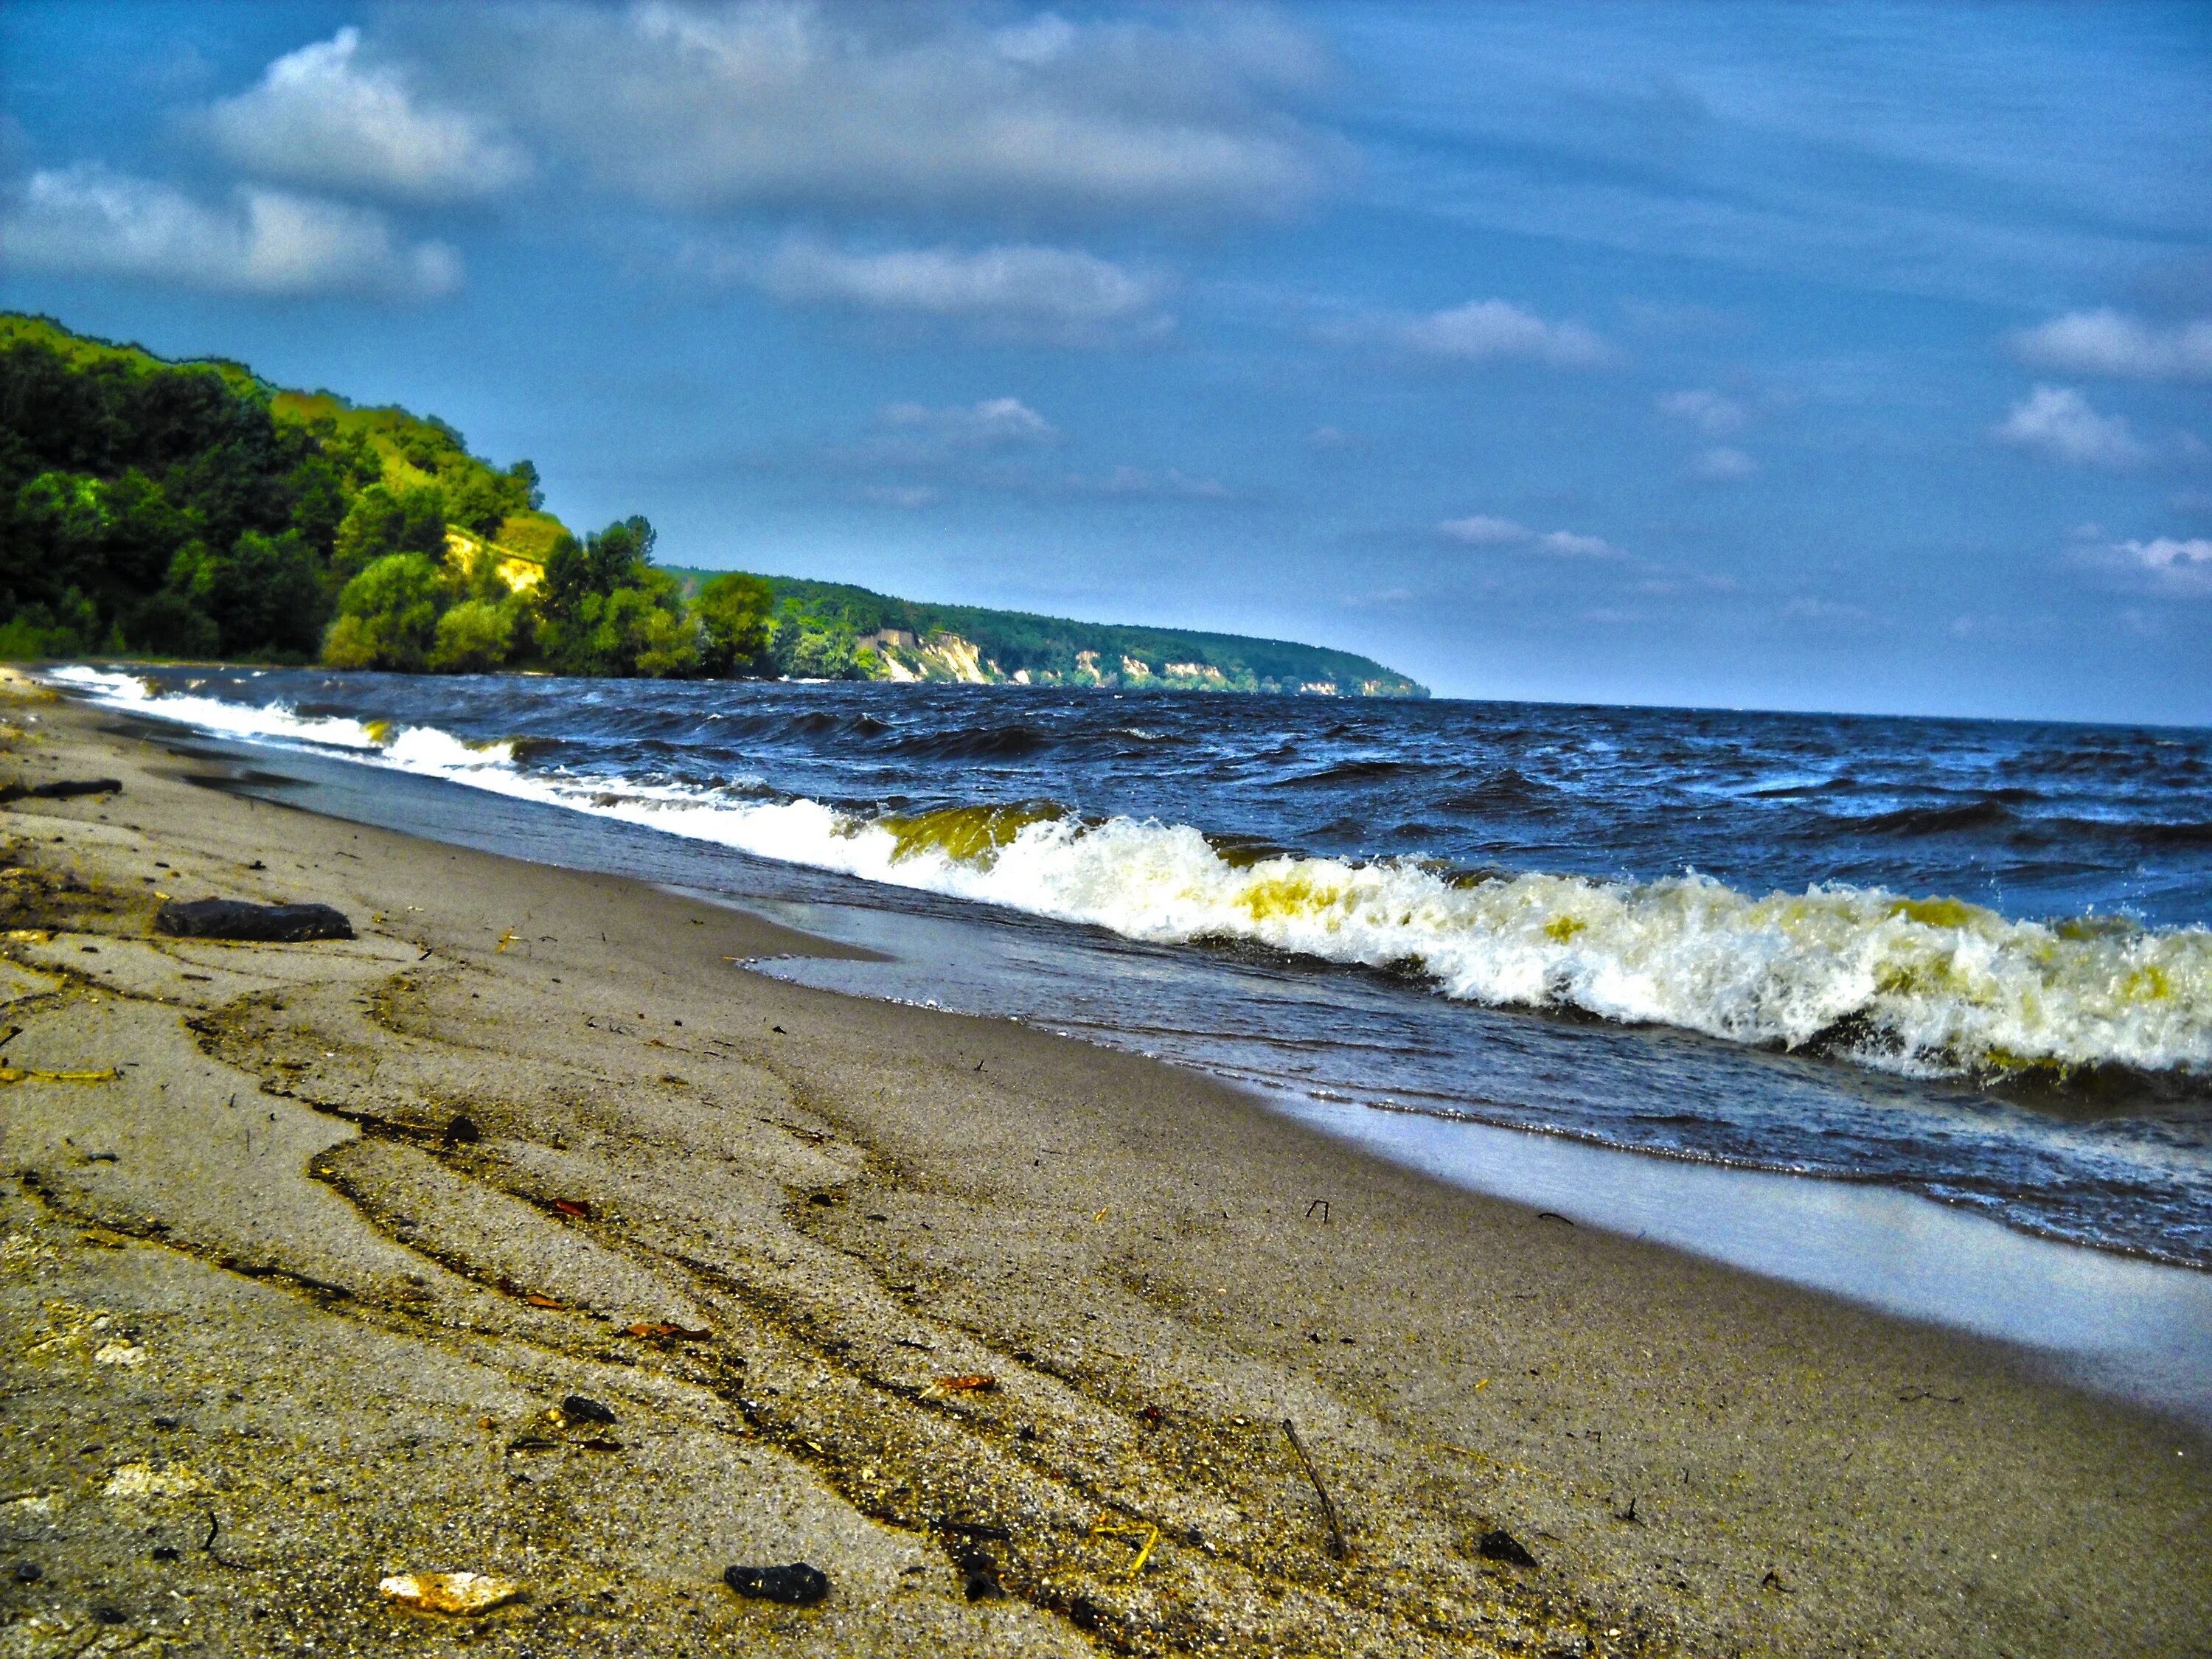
1916	986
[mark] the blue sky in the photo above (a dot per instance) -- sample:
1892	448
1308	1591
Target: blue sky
1840	357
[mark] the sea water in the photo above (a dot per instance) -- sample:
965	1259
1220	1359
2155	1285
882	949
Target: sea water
1966	960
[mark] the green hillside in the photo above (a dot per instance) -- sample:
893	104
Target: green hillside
1017	645
193	509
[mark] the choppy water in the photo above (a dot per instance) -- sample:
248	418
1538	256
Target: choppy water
1966	959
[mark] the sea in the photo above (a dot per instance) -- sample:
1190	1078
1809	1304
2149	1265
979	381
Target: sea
1916	1011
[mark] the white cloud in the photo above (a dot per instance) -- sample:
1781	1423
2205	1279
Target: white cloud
1023	288
2107	342
2167	564
1709	411
995	422
320	117
912	109
87	220
2058	422
1723	465
1483	330
1481	531
1566	544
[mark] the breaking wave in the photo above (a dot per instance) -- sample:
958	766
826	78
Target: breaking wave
1912	985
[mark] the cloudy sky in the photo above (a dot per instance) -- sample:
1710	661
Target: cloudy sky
1848	358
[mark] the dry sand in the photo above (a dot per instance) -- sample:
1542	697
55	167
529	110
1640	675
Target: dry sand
256	1285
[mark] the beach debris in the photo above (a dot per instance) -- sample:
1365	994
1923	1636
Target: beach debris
574	1206
1337	1545
1321	1204
538	1300
1144	1530
207	1545
28	1572
60	789
1774	1581
504	940
797	1585
979	1574
661	1331
257	924
462	1132
532	1443
1500	1545
985	1529
977	1383
1554	1215
459	1594
33	1074
581	1408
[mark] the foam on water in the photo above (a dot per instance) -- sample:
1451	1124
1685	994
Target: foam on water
1931	986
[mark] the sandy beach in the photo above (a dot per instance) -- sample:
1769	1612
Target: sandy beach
300	1262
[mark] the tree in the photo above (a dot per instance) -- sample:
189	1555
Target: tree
266	591
733	611
388	616
474	637
381	522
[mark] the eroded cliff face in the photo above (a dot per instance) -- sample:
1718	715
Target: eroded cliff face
948	657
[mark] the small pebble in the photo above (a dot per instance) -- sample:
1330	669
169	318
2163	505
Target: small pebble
580	1408
28	1572
798	1585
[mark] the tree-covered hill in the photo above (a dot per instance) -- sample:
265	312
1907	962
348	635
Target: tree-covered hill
191	509
1021	646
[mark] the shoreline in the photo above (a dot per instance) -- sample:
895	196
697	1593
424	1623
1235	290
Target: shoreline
859	1204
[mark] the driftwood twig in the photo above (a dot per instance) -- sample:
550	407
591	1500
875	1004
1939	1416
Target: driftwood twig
1338	1547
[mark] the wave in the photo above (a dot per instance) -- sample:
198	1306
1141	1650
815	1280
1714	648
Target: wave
1918	986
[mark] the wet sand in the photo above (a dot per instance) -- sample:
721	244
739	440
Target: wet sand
264	1279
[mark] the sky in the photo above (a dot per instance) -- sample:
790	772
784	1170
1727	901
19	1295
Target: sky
1838	357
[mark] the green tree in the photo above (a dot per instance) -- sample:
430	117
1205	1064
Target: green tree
265	592
734	615
474	637
388	616
381	522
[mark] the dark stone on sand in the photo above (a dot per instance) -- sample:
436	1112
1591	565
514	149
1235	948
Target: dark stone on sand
258	924
60	789
579	1408
978	1575
462	1132
165	1553
110	1616
28	1572
797	1585
1500	1545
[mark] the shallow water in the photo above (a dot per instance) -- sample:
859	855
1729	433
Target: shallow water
1964	960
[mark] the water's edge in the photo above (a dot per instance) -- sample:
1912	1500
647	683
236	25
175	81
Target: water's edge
2137	1329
